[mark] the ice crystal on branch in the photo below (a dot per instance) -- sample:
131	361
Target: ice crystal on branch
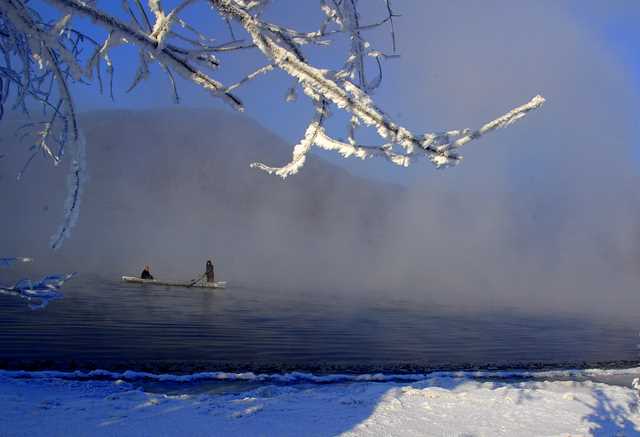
42	58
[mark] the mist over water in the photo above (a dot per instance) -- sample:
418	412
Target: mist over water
542	217
108	324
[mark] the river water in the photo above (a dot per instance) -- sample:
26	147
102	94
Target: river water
117	326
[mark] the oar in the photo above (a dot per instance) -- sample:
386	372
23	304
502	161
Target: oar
196	280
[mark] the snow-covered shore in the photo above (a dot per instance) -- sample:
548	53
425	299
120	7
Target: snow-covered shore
516	403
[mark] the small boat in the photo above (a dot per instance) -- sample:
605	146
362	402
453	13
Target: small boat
189	284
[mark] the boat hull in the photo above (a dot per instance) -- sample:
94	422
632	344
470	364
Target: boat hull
134	280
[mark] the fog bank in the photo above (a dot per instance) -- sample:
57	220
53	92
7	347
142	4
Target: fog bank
545	213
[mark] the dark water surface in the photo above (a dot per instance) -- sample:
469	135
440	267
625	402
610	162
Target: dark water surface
117	326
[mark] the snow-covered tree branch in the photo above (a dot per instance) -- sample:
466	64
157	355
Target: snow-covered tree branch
42	58
37	292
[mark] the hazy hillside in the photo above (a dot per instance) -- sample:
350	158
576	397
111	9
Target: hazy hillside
172	188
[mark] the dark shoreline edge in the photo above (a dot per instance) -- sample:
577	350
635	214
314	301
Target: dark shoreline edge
191	367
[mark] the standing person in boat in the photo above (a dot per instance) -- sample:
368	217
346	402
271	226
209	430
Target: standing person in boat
146	274
209	271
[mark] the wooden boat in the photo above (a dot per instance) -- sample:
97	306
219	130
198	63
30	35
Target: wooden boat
189	284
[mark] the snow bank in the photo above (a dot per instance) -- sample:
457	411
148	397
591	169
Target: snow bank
39	404
304	377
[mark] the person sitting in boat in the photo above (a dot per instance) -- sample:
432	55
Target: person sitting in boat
146	274
209	271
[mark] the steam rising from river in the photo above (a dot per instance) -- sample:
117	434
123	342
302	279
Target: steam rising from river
542	216
545	214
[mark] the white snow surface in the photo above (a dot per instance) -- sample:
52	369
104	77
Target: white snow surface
39	404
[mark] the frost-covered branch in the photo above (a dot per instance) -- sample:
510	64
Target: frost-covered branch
40	60
75	185
301	149
336	88
187	63
39	293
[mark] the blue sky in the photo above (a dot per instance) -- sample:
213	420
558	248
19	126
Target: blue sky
622	34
